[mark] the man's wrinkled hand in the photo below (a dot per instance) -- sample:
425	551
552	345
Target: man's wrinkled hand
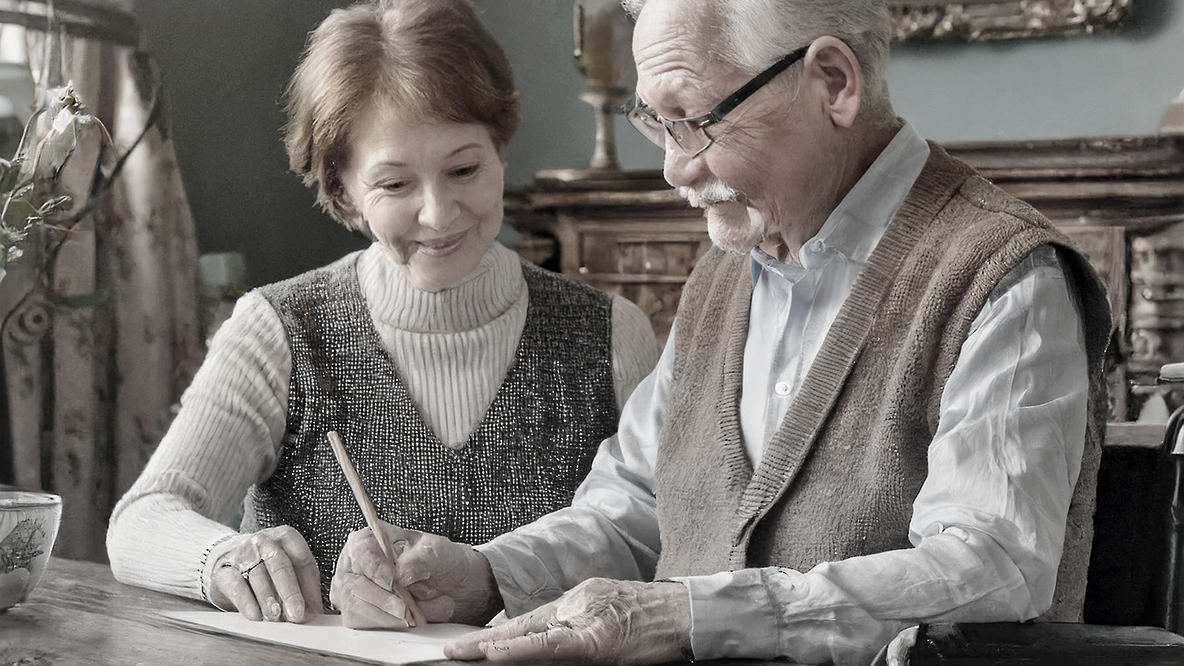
451	582
622	622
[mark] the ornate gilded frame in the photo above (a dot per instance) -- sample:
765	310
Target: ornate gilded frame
979	20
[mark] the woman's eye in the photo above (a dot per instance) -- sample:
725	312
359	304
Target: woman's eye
467	170
394	185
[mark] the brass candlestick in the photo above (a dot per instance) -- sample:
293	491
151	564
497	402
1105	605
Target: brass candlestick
603	54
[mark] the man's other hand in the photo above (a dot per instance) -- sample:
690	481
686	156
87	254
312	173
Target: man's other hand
622	622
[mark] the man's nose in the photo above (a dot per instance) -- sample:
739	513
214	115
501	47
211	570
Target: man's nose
439	209
680	169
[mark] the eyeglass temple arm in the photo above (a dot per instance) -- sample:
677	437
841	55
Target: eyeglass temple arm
755	84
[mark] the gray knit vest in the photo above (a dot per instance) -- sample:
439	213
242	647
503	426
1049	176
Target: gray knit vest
525	459
841	472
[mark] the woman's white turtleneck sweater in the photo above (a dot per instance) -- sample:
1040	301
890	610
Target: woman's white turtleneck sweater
452	349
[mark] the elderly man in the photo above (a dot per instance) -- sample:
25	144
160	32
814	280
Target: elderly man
873	410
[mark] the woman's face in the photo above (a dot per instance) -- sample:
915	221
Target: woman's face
430	193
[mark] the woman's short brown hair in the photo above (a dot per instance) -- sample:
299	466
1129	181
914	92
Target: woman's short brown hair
432	58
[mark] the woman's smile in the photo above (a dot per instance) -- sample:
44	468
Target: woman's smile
440	247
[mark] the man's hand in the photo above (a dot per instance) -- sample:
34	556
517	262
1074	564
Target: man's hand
621	622
267	575
451	582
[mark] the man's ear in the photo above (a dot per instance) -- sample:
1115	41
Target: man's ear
837	68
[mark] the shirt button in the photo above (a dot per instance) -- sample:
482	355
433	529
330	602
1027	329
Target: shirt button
781	388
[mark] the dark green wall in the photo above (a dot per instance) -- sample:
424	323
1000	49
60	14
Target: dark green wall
224	64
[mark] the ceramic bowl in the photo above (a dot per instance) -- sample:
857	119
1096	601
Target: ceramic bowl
28	528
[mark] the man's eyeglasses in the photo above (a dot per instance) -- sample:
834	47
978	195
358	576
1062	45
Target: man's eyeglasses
689	133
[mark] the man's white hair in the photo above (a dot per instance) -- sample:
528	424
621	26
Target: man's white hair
753	34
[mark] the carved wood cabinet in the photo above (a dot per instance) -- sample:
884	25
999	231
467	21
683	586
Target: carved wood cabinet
1121	201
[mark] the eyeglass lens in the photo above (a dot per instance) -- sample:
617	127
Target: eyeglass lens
686	133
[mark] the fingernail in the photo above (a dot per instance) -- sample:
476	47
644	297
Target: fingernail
273	607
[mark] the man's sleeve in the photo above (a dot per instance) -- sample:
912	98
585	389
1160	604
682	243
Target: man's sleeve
611	528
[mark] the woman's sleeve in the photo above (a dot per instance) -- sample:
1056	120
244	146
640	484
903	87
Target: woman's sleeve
224	439
635	348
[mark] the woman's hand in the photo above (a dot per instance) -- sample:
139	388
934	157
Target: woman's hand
268	575
451	582
599	620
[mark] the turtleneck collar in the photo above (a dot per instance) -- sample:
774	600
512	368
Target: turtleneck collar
482	296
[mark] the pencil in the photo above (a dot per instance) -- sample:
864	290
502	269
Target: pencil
355	484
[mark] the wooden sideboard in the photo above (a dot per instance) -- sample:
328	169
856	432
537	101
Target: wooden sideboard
1120	199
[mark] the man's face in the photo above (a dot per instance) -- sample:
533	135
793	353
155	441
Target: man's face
763	181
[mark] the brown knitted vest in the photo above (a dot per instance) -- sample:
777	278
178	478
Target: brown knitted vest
840	474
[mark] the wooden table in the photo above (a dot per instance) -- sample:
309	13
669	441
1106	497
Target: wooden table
79	615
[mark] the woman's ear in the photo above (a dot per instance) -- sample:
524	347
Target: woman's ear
838	70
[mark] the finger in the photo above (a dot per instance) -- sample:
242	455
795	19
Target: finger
439	609
231	584
338	584
375	595
469	646
563	643
365	605
228	590
478	644
366	558
309	577
395	534
422	559
265	593
301	590
281	575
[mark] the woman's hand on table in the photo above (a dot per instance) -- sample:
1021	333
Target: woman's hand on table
450	581
267	575
599	620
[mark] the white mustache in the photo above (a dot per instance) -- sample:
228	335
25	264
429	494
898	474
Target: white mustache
712	193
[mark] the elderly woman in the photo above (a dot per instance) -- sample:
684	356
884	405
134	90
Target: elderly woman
471	388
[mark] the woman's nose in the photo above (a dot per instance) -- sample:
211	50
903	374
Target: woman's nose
439	209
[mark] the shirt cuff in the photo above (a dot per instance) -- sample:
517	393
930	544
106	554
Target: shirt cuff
521	579
732	615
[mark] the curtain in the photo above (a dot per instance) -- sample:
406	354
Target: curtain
101	326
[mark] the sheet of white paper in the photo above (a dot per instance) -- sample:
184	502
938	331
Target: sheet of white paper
325	634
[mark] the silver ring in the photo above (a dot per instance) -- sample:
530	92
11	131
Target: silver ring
246	573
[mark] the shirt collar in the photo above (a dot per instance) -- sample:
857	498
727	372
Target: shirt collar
857	223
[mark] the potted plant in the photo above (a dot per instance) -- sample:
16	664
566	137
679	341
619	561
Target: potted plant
46	182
